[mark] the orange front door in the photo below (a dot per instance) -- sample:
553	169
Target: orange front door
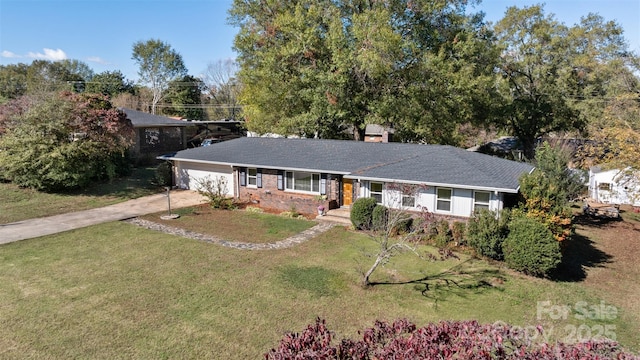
347	192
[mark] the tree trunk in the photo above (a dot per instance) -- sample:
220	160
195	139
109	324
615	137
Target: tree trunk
367	275
528	147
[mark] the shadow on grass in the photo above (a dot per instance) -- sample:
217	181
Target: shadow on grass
579	254
455	281
594	221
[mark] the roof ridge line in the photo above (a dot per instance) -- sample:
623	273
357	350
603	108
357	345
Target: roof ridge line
383	164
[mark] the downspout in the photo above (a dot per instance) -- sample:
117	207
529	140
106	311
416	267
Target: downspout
237	186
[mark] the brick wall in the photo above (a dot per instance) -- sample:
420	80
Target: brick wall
269	197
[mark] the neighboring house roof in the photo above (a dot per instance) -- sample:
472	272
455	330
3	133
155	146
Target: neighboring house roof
436	165
504	144
141	119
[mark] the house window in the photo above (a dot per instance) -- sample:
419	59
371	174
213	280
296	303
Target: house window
443	199
252	177
408	200
408	197
375	191
604	186
481	200
152	136
302	181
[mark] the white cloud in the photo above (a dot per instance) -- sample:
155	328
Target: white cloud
49	54
97	59
9	54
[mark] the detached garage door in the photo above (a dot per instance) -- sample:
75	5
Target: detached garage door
190	175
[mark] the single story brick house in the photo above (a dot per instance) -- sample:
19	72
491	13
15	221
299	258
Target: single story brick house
281	173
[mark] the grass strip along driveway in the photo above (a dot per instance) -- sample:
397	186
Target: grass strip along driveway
20	204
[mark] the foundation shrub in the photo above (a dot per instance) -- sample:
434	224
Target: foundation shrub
531	247
362	213
458	229
486	232
379	217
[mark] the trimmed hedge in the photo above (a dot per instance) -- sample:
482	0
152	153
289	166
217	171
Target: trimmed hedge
379	217
362	213
486	232
531	247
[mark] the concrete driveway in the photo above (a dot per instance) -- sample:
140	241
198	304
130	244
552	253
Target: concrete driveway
33	228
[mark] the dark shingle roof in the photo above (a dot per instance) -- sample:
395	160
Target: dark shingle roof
430	164
142	119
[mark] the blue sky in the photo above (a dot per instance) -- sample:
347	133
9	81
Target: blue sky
101	33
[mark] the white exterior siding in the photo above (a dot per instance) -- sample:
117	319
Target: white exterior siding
614	187
462	200
427	199
188	174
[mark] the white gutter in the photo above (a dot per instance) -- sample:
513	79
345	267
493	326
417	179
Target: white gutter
254	165
434	184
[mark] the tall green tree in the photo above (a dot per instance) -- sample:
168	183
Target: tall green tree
158	65
611	96
78	73
558	78
538	73
184	98
13	81
51	76
64	142
110	83
318	67
43	76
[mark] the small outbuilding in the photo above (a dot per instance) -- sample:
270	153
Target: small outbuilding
615	186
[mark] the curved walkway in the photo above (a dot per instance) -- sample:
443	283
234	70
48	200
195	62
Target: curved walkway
283	244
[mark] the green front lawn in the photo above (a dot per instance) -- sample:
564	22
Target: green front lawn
19	204
238	225
120	291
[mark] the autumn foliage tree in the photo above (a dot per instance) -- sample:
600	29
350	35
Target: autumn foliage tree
547	191
65	142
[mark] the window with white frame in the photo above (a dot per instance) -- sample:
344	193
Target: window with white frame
604	186
302	181
252	177
443	199
408	198
481	200
375	191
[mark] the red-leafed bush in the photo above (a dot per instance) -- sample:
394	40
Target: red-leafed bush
63	142
402	340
